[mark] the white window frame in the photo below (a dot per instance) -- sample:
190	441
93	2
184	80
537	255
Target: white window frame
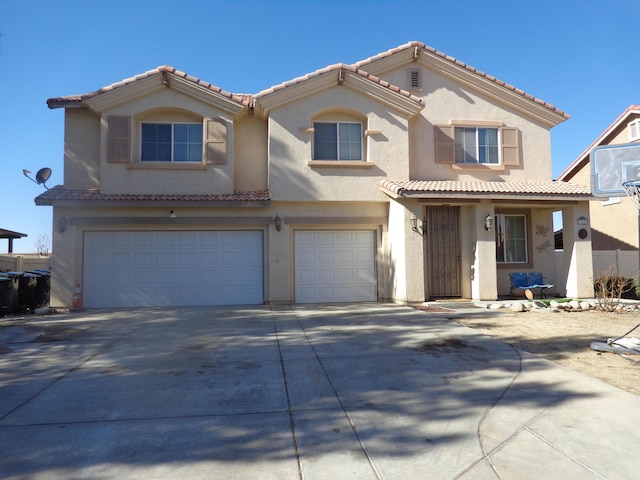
458	147
501	240
338	153
173	142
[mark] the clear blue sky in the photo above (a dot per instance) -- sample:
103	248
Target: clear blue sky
579	55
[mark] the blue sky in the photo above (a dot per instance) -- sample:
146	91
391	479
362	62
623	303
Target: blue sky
581	56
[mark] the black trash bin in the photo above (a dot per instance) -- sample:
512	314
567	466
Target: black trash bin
43	286
8	294
26	291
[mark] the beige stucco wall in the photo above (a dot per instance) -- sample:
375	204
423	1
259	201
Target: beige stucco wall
290	150
81	149
250	173
578	253
140	178
446	101
479	278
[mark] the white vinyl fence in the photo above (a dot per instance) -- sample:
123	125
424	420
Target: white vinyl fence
623	263
24	262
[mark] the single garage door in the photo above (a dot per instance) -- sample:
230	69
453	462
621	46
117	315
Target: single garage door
335	266
149	269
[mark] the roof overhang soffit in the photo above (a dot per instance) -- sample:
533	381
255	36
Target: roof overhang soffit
290	93
145	86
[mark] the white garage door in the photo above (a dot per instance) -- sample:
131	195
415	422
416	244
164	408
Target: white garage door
149	269
335	266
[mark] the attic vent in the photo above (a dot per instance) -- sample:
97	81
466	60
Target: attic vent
634	130
415	79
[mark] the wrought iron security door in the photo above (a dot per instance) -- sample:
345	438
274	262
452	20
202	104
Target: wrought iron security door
443	251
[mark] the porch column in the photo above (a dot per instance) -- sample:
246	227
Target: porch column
578	259
406	254
484	275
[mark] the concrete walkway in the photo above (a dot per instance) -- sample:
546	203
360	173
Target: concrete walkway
367	391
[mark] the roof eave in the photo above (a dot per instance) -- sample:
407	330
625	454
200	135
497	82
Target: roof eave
338	75
438	61
488	195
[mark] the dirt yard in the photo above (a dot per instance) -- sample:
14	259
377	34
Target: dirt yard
564	338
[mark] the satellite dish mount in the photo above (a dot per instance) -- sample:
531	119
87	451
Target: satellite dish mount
41	176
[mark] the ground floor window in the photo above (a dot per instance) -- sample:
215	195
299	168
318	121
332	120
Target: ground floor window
511	238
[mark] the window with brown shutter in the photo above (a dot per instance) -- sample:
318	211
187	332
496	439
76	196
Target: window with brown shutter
510	146
118	139
469	145
216	141
445	144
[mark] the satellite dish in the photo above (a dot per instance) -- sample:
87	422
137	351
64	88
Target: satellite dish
41	177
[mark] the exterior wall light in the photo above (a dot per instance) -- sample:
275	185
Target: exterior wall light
277	221
488	223
414	224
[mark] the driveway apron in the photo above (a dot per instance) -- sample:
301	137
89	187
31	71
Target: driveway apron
354	391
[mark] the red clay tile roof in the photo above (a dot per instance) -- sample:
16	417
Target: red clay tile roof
248	100
451	59
333	68
494	190
59	193
72	100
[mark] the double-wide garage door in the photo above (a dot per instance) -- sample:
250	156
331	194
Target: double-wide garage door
144	269
335	266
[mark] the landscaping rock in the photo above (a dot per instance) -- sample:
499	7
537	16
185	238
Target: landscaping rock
539	304
494	306
585	305
574	304
517	307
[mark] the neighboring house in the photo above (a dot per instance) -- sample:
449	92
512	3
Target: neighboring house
614	221
404	177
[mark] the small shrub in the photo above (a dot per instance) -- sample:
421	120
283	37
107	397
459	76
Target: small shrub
609	291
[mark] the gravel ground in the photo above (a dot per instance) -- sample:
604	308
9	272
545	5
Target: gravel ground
564	337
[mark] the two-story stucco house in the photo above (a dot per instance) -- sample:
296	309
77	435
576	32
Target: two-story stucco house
406	176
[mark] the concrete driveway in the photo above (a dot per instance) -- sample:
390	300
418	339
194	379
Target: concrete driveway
367	391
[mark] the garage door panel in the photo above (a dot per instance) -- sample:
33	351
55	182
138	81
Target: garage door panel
124	269
335	266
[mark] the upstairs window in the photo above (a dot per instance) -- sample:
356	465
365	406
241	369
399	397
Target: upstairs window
511	238
171	142
337	141
477	145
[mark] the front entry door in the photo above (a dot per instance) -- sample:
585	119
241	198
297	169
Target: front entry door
443	251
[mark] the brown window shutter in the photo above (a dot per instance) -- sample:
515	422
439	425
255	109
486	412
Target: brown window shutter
118	139
215	141
510	146
445	144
